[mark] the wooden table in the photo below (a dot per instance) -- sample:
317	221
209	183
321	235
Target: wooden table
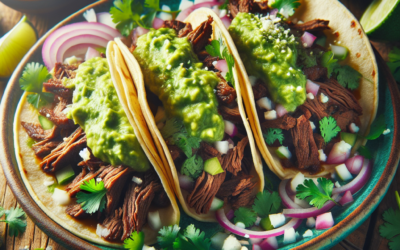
365	237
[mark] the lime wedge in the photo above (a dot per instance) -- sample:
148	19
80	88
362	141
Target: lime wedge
381	20
14	45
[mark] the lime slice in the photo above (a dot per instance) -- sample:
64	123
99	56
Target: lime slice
14	45
381	20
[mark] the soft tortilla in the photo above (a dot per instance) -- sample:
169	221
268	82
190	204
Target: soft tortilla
196	18
33	176
361	58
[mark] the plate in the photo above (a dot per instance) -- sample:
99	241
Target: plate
386	157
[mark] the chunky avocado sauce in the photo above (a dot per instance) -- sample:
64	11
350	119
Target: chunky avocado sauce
97	109
173	72
269	52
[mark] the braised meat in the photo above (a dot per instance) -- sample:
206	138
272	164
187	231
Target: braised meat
239	191
35	131
230	114
225	93
259	90
200	36
57	116
44	148
316	73
76	212
232	161
75	186
208	61
285	122
64	70
315	25
114	225
183	29
56	87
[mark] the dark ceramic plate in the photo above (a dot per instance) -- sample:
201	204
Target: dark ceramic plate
386	157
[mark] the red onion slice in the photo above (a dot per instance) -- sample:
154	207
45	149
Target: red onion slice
225	223
302	213
222	66
71	28
340	153
287	202
280	110
105	18
185	13
157	23
91	53
77	50
273	12
307	39
324	221
230	128
312	87
95	41
269	244
354	164
358	182
346	199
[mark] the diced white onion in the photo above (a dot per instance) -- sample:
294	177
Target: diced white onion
252	80
165	16
90	16
264	103
222	146
312	125
154	220
337	184
310	96
222	13
231	243
61	197
240	224
277	220
48	182
324	98
270	115
102	231
322	155
354	128
308	233
343	172
85	154
137	180
289	236
386	131
185	4
298	179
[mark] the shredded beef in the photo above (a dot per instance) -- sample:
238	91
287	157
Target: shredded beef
315	107
56	87
200	36
248	6
245	199
225	93
343	119
208	61
64	70
93	163
315	25
305	148
65	153
330	144
316	73
206	151
176	152
232	161
35	131
319	141
114	224
161	199
43	148
183	29
75	186
235	186
57	116
230	114
285	122
204	191
259	90
76	212
114	181
340	96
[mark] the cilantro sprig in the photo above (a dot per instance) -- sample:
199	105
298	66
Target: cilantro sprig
16	220
267	203
285	7
390	229
310	192
245	215
193	166
134	241
218	48
272	135
329	128
172	237
32	80
95	199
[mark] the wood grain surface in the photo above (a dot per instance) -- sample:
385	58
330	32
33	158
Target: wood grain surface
365	237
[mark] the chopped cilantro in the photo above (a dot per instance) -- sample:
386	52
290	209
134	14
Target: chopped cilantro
377	128
329	62
310	192
347	76
193	166
95	200
224	6
329	128
390	229
32	80
171	238
214	49
306	58
30	142
135	241
364	151
246	216
267	203
272	135
16	220
126	14
286	7
171	127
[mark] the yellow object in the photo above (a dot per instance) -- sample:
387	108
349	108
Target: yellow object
14	45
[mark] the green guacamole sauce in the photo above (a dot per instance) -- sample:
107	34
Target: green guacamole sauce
269	52
96	108
173	72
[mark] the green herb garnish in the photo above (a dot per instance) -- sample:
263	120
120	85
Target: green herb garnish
285	7
218	48
193	167
394	63
95	200
377	128
391	229
135	241
310	192
267	203
272	135
329	128
172	238
245	215
16	220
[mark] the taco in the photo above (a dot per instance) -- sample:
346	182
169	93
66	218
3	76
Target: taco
85	148
194	109
309	82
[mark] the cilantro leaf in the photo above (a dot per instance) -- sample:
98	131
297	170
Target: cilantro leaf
16	220
329	62
310	192
33	77
267	203
214	49
134	241
286	7
377	128
390	229
272	135
347	76
168	236
245	215
186	143
197	238
230	62
126	14
364	151
329	128
224	6
171	127
307	59
38	100
193	167
95	200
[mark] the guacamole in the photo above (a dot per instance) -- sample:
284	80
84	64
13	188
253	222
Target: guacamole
173	72
96	108
268	52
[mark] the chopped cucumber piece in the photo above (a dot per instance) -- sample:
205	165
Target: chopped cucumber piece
339	52
265	223
343	172
216	204
283	152
65	175
213	166
45	123
30	142
321	41
349	138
